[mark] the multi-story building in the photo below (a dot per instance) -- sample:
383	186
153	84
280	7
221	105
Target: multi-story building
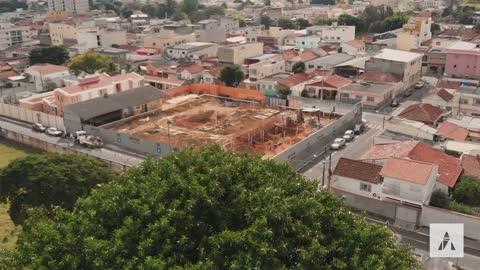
59	32
415	31
100	38
12	35
236	54
462	63
406	65
193	50
85	89
46	76
266	68
334	33
166	38
466	101
70	6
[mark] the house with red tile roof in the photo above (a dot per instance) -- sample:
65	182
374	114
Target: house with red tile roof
353	47
448	166
327	87
425	113
357	176
44	76
471	165
190	72
84	89
453	132
440	97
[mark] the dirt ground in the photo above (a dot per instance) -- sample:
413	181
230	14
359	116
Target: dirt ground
234	125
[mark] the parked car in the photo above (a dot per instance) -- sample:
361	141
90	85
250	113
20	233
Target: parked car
39	128
420	84
75	136
54	132
349	135
338	143
407	93
359	128
395	103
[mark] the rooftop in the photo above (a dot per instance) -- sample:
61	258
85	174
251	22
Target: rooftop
197	120
442	93
99	81
378	76
355	43
192	46
407	170
422	112
357	169
376	88
332	60
397	55
448	84
102	105
452	131
48	68
471	165
470	90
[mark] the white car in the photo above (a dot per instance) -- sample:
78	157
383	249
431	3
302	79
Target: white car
419	84
338	143
54	132
349	135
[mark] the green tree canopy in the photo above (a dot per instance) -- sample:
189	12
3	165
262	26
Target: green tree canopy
322	2
467	191
283	91
210	209
266	21
439	199
232	75
49	180
12	5
89	62
56	55
298	67
285	23
303	23
346	19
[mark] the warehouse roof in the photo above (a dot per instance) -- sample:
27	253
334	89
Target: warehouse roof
102	105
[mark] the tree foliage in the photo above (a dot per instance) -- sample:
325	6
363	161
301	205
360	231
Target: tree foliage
283	91
467	191
266	21
48	181
322	2
285	23
303	23
12	5
89	62
298	67
232	75
56	55
439	199
210	209
346	19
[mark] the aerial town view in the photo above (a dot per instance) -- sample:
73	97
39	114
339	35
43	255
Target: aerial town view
245	134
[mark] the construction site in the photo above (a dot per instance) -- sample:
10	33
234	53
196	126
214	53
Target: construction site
238	125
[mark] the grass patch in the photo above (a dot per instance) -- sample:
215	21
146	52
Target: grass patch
474	3
8	231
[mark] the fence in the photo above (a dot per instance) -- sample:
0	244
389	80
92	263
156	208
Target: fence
432	214
31	116
297	153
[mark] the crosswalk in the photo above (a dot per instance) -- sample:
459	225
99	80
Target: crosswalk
372	126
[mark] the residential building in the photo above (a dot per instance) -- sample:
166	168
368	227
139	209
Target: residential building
59	32
85	89
476	18
328	62
334	33
327	88
236	54
358	177
100	38
191	72
449	168
381	77
167	38
422	112
193	50
415	31
462	63
466	101
264	69
471	165
216	28
436	61
374	95
14	35
47	77
408	181
453	132
268	85
308	41
296	82
439	97
353	47
407	65
163	83
71	6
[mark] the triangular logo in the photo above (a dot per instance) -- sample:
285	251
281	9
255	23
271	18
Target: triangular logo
444	243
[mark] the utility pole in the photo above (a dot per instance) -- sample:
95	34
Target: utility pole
329	170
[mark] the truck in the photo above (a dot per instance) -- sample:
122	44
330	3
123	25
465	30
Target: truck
90	141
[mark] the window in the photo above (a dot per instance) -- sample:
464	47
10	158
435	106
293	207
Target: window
477	101
370	99
463	101
454	66
344	95
365	187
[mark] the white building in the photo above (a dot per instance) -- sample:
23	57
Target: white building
100	38
334	33
12	35
47	76
193	50
70	6
264	69
308	41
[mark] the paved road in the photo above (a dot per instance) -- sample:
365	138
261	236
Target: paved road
104	153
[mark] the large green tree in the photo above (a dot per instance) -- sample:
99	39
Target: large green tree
48	181
89	62
210	209
285	23
266	21
298	67
467	191
56	55
346	19
232	75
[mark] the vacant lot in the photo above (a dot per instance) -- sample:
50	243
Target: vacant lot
8	232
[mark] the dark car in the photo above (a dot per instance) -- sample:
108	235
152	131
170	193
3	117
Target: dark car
39	128
359	128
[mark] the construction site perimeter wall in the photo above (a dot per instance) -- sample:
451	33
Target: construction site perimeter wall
297	154
218	90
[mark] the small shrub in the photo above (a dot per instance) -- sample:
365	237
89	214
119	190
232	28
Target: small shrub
462	208
439	199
